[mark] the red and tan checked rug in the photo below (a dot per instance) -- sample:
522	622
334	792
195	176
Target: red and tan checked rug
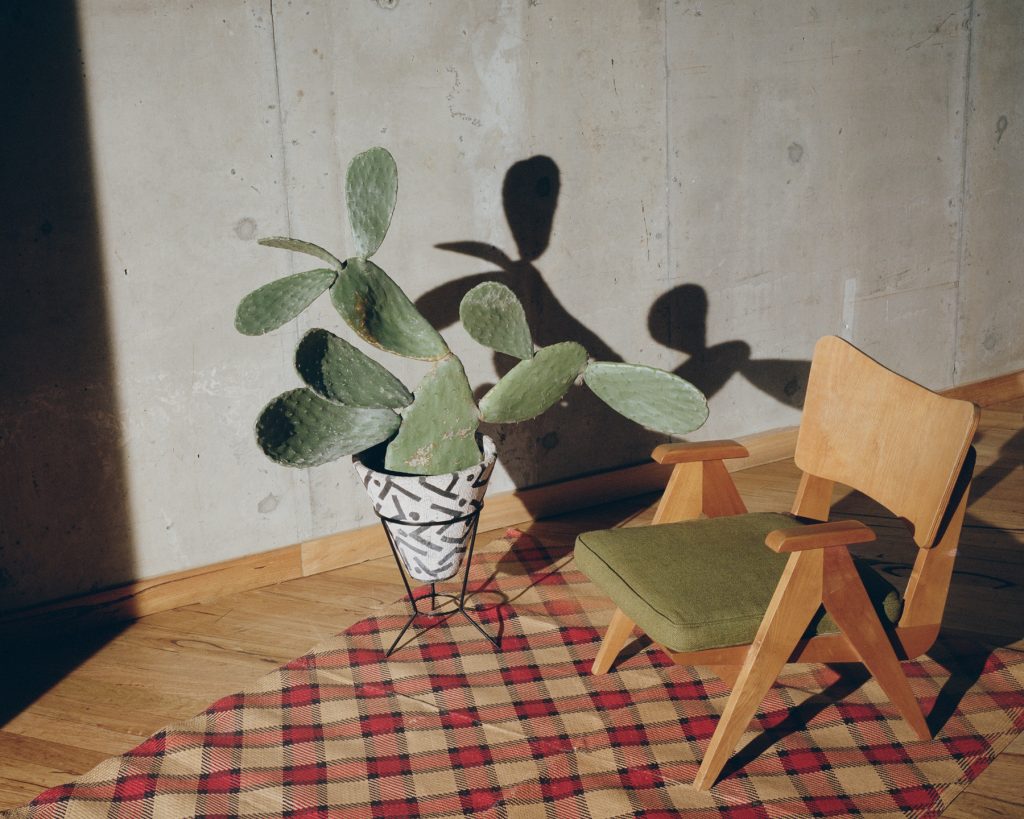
448	726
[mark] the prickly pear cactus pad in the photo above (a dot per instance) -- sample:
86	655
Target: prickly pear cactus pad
346	375
494	317
654	398
379	311
532	386
438	431
371	188
299	246
299	428
279	302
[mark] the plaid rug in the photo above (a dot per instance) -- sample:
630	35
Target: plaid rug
448	726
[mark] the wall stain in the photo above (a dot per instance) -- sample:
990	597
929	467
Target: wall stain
1001	125
245	229
456	85
935	31
795	151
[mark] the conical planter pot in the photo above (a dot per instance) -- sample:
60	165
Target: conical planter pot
430	517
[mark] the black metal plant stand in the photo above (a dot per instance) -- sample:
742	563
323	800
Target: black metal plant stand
459	600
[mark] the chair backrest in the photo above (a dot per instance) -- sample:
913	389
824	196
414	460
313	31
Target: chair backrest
873	430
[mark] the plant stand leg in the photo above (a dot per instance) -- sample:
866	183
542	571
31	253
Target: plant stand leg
465	582
459	601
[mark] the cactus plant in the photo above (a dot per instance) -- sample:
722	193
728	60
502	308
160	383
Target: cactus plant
351	403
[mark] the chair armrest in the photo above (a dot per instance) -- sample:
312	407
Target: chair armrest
819	536
684	453
700	483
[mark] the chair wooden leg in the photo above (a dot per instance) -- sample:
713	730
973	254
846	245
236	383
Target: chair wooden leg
796	599
615	638
847	601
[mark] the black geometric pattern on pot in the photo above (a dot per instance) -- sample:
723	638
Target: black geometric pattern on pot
445	491
440	572
429	538
399	511
387	496
429	552
447	512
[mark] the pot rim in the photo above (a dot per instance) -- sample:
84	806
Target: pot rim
487	446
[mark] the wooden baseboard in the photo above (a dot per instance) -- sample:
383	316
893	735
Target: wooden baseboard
990	391
142	597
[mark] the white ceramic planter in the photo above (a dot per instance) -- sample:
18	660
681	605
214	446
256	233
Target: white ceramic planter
411	502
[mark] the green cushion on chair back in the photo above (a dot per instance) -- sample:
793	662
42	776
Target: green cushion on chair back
703	584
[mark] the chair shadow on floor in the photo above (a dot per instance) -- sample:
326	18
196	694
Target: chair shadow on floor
849	678
962	655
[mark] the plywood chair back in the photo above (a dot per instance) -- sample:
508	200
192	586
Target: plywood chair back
875	431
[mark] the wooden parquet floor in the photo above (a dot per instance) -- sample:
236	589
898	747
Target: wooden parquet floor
66	704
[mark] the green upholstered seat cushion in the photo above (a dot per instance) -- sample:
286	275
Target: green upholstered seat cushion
703	583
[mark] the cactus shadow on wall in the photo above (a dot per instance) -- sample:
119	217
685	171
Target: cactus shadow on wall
678	319
64	524
583	434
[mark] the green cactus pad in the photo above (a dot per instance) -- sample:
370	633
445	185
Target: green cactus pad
493	316
346	375
371	188
300	246
531	387
380	312
438	433
299	428
653	398
279	302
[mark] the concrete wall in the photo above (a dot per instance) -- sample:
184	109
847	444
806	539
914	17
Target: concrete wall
725	182
991	298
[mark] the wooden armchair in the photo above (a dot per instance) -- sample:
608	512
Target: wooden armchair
742	593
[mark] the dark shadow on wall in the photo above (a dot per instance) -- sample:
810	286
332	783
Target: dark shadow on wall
64	522
678	319
582	433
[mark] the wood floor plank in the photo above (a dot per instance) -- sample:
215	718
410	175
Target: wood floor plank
998	791
17	792
129	712
51	762
35	723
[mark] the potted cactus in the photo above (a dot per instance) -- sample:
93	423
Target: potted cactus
419	453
